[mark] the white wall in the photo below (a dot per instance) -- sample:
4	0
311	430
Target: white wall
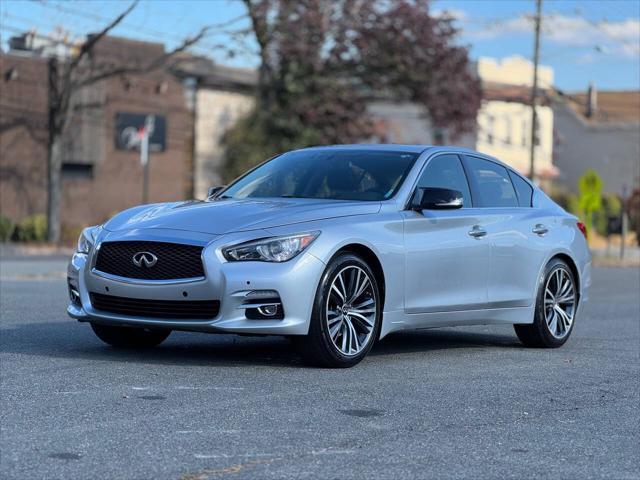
513	70
217	110
504	131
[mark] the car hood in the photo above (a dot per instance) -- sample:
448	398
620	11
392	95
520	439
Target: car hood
235	215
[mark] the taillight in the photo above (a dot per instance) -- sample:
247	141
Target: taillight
583	228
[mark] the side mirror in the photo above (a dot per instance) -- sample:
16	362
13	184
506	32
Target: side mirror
213	190
437	199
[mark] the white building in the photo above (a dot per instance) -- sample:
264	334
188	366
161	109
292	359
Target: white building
504	120
503	123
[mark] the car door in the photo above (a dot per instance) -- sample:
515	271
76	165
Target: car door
447	257
511	225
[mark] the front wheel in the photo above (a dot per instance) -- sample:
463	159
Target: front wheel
130	337
556	307
347	314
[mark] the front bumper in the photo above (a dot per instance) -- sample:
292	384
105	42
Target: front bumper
295	282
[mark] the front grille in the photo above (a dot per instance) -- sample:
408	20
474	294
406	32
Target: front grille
138	307
175	260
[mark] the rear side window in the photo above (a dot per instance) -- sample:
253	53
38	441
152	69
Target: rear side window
523	190
445	171
490	184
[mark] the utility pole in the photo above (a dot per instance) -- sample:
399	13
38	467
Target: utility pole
144	161
534	90
145	132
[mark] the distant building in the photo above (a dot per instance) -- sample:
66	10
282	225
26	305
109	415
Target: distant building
101	171
504	120
503	123
599	130
407	122
219	96
24	135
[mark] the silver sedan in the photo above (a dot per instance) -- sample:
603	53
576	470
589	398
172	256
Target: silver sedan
337	247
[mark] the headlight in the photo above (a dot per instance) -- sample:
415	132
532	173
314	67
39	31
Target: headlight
87	239
274	249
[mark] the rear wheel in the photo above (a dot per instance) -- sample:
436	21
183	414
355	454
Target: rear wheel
346	315
130	337
556	306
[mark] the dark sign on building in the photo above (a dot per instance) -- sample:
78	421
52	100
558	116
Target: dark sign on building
131	126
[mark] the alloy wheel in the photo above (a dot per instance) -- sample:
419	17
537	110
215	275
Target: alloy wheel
351	310
559	302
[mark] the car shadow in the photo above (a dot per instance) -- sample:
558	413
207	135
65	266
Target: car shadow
73	340
441	339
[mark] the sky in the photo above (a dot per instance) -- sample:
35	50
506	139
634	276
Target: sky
583	41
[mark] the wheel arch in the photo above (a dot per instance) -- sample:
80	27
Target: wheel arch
572	265
372	260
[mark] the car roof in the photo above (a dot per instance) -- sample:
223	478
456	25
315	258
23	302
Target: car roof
397	147
393	147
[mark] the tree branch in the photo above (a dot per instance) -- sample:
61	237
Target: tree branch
158	62
94	39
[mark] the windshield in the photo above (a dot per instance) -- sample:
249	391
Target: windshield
328	174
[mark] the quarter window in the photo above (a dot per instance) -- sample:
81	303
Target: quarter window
445	171
523	190
490	183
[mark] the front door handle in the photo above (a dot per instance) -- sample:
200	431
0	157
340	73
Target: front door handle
540	229
477	231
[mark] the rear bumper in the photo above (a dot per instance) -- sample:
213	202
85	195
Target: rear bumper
228	282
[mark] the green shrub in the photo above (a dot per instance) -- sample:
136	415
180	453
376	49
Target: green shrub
32	229
6	228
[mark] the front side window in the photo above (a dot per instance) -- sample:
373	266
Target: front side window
445	171
326	174
490	183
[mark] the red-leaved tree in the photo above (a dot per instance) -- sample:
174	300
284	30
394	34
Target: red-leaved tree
321	61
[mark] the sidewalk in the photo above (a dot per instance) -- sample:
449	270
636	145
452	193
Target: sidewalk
19	262
16	251
611	258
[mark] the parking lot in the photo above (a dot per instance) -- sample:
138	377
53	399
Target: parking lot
458	403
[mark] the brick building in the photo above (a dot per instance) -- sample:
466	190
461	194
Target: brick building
24	135
100	174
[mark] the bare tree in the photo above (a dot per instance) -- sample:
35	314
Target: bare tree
66	78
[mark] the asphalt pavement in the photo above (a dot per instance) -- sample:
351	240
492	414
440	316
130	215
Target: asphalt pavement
446	403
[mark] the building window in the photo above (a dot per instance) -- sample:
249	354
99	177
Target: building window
507	123
77	171
490	125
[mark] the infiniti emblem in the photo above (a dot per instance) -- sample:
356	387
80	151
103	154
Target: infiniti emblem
144	259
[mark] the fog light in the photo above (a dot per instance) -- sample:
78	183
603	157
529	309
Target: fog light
268	310
262	305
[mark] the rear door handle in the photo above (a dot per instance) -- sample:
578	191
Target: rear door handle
477	231
540	229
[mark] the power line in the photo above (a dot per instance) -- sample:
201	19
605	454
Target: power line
137	27
205	48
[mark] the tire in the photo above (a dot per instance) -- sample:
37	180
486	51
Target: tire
544	332
130	337
339	339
